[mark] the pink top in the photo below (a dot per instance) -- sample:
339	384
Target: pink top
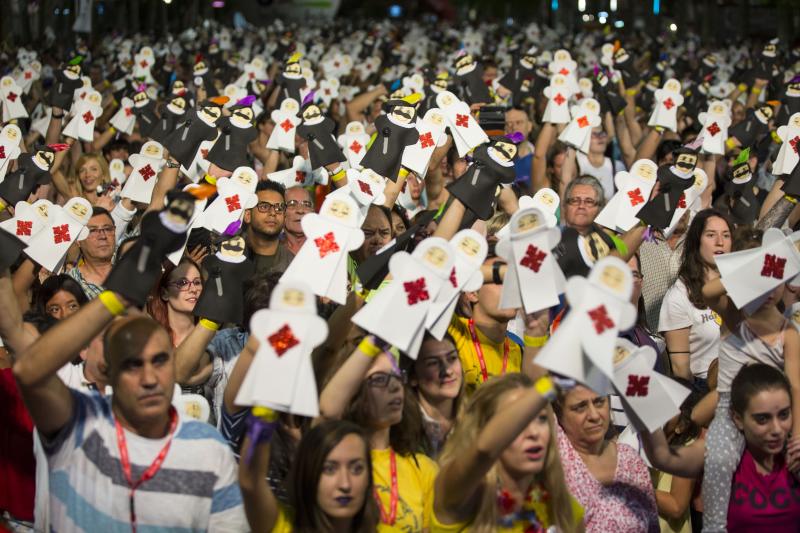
759	502
628	505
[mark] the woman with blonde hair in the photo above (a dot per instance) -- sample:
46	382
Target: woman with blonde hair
500	469
88	173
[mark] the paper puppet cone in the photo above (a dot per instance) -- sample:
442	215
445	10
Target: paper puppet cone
578	132
135	274
300	174
286	122
743	203
467	133
235	195
184	142
397	312
395	132
146	166
322	260
690	200
365	187
33	169
236	133
11	95
431	128
558	94
673	180
788	157
67	224
222	299
633	191
65	83
755	125
124	119
354	143
665	108
469	77
582	348
10	139
715	127
17	232
281	376
318	131
86	112
545	200
492	166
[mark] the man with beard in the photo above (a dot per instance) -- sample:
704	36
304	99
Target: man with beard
299	203
265	224
97	251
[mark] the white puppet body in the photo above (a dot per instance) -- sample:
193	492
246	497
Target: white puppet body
235	194
466	131
145	167
86	112
578	132
11	94
790	148
286	122
665	106
354	143
557	93
50	245
715	127
124	119
633	192
431	129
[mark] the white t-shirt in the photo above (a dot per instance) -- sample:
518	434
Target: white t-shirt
677	312
604	173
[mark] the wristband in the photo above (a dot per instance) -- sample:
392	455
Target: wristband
534	342
755	90
339	175
112	303
775	137
57	116
730	142
368	347
3	205
172	163
210	325
742	87
210	179
402	173
496	278
261	425
112	129
631	92
793	200
544	386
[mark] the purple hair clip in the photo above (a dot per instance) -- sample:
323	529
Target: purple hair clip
795	79
141	88
233	228
516	137
247	100
309	98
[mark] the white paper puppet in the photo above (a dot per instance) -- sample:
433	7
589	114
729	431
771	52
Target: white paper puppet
29	74
431	128
328	90
145	168
116	169
10	139
545	200
666	102
11	93
365	187
469	251
142	63
256	69
788	154
578	133
234	195
633	191
17	232
300	174
650	399
40	120
557	93
67	224
750	274
690	200
715	123
124	119
286	122
582	348
234	94
466	131
564	65
200	165
330	236
354	142
533	278
397	313
282	376
85	113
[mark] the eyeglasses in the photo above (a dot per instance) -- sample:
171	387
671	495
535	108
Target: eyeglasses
183	284
266	207
297	204
588	202
637	276
380	380
94	232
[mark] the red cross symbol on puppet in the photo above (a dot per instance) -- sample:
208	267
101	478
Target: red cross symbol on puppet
426	140
583	122
61	233
682	201
453	280
2	152
416	291
251	75
88	117
233	203
713	129
365	188
24	227
636	197
147	172
559	99
283	340
533	258
143	63
600	319
462	121
637	385
669	104
28	74
287	125
773	266
355	147
563	71
299	176
795	144
128	111
12	96
326	244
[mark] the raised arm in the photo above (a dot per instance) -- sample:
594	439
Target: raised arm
539	163
238	373
344	384
357	106
191	356
684	461
12	329
716	297
451	220
260	504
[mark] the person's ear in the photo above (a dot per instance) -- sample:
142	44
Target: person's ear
737	419
247	216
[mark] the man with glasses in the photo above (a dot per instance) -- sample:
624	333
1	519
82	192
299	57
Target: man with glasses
298	204
97	253
265	223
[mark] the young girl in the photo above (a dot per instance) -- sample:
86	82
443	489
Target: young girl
500	468
173	299
369	390
763	492
331	480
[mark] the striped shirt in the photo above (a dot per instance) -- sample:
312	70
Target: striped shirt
195	489
91	290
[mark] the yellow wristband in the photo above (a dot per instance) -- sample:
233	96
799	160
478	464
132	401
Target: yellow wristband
742	87
112	129
112	303
339	175
368	348
210	325
544	386
210	179
730	142
631	92
3	205
793	200
775	137
265	413
755	90
535	342
403	172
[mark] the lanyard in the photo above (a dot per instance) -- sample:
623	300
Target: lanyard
393	497
151	470
479	351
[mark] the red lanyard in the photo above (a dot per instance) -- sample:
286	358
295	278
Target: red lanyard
151	470
393	497
479	351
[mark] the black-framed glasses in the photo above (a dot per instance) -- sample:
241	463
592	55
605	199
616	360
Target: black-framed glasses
380	380
183	284
588	202
297	204
266	207
106	230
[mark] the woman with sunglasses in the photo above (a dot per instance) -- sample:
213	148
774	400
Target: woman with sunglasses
173	299
369	389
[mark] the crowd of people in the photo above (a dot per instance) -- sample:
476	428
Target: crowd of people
336	277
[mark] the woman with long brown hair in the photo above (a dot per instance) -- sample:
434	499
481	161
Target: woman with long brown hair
173	299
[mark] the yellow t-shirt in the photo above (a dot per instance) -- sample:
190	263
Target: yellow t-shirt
542	512
414	488
284	522
492	354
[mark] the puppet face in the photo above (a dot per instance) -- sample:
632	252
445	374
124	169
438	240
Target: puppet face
686	162
75	70
211	112
435	256
558	81
7	81
339	209
403	114
718	108
200	67
464	61
311	112
793	89
620	56
613	278
79	210
42	210
439	84
602	79
741	173
699	179
764	113
710	60
673	86
547	199
290	105
645	172
293	69
769	50
116	166
233	247
585	85
246	178
151	149
178	86
45	157
527	222
506	150
140	97
591	106
447	99
469	246
179	103
12	133
796	316
561	56
294	297
94	98
436	118
243	116
620	354
794	120
180	210
355	128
